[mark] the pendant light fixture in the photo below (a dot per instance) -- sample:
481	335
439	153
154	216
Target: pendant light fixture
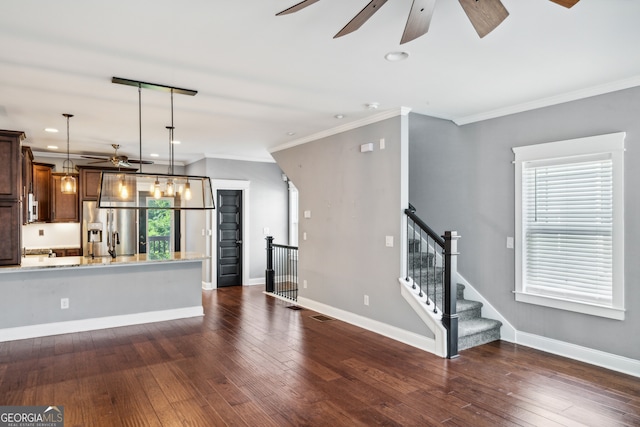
122	190
68	183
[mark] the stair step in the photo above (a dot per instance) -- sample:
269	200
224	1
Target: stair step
468	309
478	331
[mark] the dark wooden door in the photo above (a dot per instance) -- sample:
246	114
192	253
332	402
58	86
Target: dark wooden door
229	212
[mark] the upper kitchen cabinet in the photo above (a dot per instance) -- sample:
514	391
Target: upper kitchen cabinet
42	191
11	161
90	183
64	207
10	193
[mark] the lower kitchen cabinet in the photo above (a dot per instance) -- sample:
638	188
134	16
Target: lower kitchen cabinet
68	252
10	228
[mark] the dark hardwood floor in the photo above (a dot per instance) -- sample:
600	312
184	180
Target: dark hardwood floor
251	361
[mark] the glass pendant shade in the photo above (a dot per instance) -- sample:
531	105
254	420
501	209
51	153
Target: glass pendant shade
126	190
68	182
68	185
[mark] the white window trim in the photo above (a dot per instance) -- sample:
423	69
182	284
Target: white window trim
610	143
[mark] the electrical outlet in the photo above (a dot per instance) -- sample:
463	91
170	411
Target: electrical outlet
304	283
64	303
382	144
366	300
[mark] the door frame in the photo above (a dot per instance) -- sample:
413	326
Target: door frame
212	246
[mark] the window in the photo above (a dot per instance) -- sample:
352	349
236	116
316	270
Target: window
569	223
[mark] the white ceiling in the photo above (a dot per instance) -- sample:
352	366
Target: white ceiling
259	76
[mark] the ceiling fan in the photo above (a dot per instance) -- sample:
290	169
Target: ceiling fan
117	160
485	15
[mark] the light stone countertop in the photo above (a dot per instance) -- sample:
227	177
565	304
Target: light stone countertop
38	262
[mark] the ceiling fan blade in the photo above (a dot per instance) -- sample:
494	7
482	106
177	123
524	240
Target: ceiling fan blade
485	15
144	162
297	7
419	20
361	17
96	158
566	3
99	161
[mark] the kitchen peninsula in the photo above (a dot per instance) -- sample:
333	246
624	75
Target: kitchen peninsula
50	296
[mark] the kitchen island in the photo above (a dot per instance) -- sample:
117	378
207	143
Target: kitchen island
50	296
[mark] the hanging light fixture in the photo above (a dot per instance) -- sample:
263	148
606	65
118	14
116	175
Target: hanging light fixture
68	182
128	190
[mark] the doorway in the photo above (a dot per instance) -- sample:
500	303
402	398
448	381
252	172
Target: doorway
159	228
229	243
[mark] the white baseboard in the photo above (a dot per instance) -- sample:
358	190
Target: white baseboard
207	286
47	329
256	281
407	337
583	354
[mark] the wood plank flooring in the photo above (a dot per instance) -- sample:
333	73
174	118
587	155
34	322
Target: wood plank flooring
251	361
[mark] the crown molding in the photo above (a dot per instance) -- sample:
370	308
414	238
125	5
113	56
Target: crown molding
552	100
383	115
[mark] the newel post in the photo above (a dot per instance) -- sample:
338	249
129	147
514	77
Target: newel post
269	273
450	314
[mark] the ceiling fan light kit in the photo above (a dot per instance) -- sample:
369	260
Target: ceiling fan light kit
127	190
485	15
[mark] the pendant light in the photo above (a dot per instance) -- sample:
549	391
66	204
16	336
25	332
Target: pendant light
68	183
120	190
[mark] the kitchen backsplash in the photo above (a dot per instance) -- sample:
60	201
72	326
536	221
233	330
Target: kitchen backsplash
54	236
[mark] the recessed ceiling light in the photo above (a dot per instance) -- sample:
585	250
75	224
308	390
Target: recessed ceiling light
154	155
396	56
51	130
372	106
339	116
52	147
291	133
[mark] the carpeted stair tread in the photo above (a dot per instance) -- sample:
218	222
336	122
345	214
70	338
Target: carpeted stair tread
477	325
477	331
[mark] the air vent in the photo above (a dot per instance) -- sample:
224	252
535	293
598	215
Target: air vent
321	318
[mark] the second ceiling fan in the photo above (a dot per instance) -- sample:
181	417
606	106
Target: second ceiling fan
485	15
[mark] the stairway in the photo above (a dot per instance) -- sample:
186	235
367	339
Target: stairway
473	329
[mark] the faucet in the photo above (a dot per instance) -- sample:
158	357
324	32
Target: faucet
113	240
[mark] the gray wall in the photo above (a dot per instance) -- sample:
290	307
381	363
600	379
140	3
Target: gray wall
462	178
355	201
32	297
268	205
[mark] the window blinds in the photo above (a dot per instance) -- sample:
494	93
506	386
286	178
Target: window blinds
568	228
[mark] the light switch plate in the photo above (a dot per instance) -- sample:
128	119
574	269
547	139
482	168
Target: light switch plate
509	242
388	241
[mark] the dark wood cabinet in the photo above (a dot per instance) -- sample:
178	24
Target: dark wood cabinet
11	165
10	197
64	207
68	252
10	224
42	190
27	181
90	187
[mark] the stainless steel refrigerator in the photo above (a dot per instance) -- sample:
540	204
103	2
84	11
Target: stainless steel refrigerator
105	228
